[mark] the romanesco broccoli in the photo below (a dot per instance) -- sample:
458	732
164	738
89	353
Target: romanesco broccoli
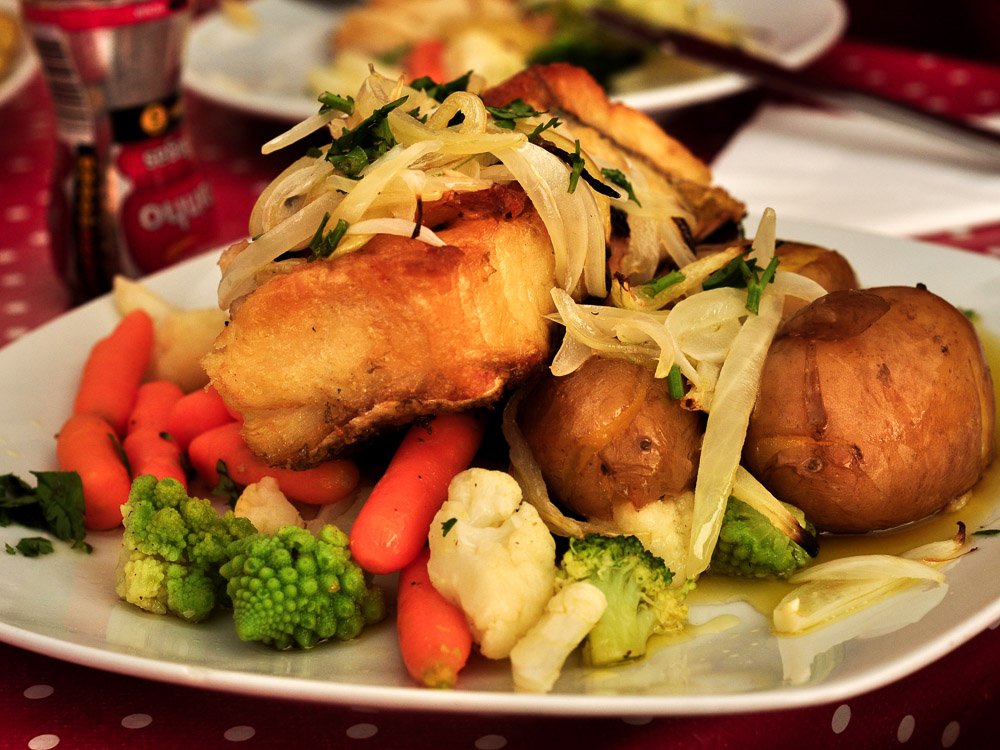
291	588
750	546
637	586
172	548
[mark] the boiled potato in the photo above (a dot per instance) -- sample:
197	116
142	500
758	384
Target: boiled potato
610	433
826	267
876	409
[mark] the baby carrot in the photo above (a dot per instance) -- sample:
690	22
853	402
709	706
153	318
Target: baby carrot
323	484
114	369
86	444
392	525
153	402
152	451
434	636
195	413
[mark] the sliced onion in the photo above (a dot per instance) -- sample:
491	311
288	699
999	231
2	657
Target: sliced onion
762	249
293	233
572	220
796	285
725	431
281	197
397	227
408	130
300	130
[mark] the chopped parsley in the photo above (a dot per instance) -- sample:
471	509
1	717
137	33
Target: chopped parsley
576	167
336	102
322	245
55	505
507	115
655	286
355	149
617	177
986	532
741	273
32	546
447	525
226	486
441	91
675	385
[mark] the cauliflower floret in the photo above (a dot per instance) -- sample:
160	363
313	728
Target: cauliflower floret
663	527
492	557
538	658
266	506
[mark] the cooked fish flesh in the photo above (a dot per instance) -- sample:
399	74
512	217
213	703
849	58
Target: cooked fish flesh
331	352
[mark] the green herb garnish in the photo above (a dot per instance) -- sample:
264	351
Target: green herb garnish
226	486
354	150
336	102
55	505
675	385
507	115
441	91
446	526
617	177
322	245
654	286
576	167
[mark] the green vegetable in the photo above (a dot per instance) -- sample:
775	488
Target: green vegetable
355	149
441	91
55	505
323	245
750	546
32	546
618	178
636	584
172	548
505	116
291	588
330	101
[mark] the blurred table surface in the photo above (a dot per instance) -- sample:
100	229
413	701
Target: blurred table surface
48	703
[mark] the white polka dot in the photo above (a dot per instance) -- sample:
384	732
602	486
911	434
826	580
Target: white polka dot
20	165
13	332
841	718
39	691
937	103
950	734
17	307
959	77
927	62
987	97
361	731
7	256
11	280
490	742
905	729
15	214
43	742
853	63
38	238
239	733
875	77
915	89
137	721
637	721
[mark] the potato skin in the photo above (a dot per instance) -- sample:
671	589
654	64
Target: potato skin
610	433
826	267
876	409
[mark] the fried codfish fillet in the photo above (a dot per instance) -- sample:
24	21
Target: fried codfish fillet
623	137
332	352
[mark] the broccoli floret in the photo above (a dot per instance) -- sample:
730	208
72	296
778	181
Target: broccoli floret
172	548
750	546
291	588
637	585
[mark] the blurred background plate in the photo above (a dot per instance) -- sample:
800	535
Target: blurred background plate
264	67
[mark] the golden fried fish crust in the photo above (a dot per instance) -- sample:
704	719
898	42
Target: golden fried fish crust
332	352
614	132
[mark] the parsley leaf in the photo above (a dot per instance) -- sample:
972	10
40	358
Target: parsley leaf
323	245
505	116
355	149
446	526
576	166
33	546
441	91
54	505
617	177
330	101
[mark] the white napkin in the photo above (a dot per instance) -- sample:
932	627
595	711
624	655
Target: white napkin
854	170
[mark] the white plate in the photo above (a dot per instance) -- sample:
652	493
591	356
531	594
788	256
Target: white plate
264	71
25	61
64	605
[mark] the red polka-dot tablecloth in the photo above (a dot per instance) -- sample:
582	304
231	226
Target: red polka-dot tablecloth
47	703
